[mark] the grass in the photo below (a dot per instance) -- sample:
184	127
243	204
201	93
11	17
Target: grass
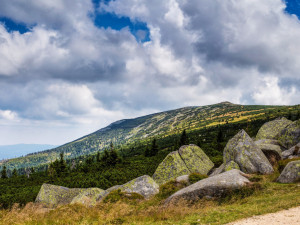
271	197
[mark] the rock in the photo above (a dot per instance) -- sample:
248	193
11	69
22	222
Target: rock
290	136
231	165
183	178
273	129
272	152
195	159
114	188
291	173
242	150
89	197
225	167
170	168
52	195
267	141
214	186
143	185
292	152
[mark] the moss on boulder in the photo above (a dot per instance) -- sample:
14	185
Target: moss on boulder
242	150
291	173
290	135
89	197
273	129
170	168
53	195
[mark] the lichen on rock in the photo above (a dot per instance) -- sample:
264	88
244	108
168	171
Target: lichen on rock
242	150
291	173
273	129
290	136
89	197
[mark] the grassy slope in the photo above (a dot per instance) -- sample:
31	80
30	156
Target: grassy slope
271	198
160	125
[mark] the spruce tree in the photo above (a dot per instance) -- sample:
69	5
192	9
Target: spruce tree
14	173
4	173
154	148
183	138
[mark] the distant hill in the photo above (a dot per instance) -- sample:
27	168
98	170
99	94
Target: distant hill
12	151
129	133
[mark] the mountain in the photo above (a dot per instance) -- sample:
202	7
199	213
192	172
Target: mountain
128	133
12	151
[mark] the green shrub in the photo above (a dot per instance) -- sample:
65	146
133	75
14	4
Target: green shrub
170	188
195	177
118	195
282	163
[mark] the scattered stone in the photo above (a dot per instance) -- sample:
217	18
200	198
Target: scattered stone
290	136
195	159
231	165
170	168
214	186
143	185
53	195
89	197
272	152
291	173
273	129
242	150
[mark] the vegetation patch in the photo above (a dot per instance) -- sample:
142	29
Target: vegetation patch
195	177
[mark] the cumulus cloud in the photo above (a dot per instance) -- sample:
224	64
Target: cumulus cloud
65	70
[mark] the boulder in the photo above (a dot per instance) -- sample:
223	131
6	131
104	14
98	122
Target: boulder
290	136
267	141
273	129
143	185
242	150
183	178
170	168
292	152
52	195
89	197
272	152
214	186
195	159
291	173
225	167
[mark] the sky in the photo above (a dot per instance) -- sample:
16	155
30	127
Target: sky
71	67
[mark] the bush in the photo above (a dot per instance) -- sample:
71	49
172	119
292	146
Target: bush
170	188
118	195
195	177
282	163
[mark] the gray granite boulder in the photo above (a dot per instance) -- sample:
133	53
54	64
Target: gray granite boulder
291	173
183	178
53	195
242	150
290	136
272	152
143	185
89	197
225	167
292	152
273	129
213	186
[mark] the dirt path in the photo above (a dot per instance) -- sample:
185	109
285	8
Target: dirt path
290	217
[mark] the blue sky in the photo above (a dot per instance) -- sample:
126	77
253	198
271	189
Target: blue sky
68	68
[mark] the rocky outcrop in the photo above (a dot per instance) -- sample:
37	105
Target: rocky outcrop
290	135
273	129
143	185
293	152
89	196
52	195
195	159
213	186
272	152
189	159
291	173
242	150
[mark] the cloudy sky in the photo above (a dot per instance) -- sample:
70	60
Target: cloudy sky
70	67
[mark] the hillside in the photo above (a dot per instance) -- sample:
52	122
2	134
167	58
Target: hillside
128	132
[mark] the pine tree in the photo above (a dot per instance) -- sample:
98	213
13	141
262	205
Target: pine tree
4	173
183	138
62	163
15	173
147	152
154	148
98	158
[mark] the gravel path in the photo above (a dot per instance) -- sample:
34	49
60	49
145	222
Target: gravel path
290	217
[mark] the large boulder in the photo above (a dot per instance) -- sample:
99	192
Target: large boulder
195	159
290	135
143	185
213	186
272	152
89	197
242	150
52	195
291	173
170	168
225	167
273	129
292	152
